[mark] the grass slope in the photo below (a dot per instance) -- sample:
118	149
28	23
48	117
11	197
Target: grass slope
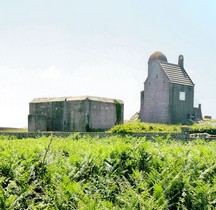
207	126
6	129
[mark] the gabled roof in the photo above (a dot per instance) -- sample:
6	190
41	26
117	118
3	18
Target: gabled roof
76	98
176	74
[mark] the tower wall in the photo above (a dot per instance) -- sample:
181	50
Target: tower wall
180	110
156	95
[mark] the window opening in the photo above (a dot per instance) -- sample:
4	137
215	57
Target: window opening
182	96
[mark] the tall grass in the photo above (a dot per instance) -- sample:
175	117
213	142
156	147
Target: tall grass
110	173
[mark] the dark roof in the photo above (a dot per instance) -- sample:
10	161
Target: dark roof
176	74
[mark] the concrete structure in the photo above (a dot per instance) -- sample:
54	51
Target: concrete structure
168	95
68	114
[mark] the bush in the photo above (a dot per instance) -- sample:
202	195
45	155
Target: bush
140	127
204	128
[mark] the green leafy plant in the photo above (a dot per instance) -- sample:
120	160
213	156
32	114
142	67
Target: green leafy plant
112	173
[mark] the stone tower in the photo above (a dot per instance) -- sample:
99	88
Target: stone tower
168	93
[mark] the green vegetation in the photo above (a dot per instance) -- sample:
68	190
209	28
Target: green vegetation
209	126
111	173
140	127
13	129
118	107
136	126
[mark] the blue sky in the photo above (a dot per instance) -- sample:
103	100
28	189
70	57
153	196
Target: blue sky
100	47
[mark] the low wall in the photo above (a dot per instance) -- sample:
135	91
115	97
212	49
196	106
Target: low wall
23	135
183	135
149	135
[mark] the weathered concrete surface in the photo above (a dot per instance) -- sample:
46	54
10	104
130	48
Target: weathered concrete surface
69	114
37	123
168	95
156	96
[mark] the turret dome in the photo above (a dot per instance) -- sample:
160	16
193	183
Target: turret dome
157	56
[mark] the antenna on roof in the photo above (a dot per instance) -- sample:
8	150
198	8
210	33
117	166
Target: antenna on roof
181	61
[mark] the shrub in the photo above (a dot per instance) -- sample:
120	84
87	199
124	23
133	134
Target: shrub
140	127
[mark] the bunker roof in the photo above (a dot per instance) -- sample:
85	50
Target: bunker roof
76	98
176	74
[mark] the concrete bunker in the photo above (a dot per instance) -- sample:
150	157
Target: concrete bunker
69	114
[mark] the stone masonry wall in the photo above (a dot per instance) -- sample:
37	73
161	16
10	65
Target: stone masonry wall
156	96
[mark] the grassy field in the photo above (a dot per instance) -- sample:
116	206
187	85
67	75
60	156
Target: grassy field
207	126
109	173
5	129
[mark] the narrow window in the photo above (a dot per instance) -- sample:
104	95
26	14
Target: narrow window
182	96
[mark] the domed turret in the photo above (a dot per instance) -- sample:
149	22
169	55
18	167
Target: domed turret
157	56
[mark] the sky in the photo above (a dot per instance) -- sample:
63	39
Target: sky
51	48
